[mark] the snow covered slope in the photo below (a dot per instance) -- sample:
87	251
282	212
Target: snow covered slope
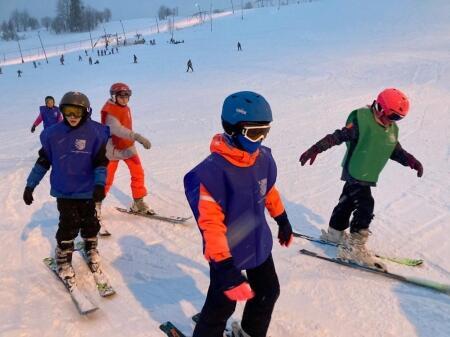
314	62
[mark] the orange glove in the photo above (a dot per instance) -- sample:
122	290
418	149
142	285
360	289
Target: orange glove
242	292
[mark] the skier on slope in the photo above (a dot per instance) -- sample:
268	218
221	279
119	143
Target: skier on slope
371	134
76	151
228	193
117	115
48	113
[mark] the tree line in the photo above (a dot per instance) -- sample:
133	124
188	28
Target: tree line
71	16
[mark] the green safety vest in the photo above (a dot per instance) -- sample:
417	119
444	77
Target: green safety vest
374	146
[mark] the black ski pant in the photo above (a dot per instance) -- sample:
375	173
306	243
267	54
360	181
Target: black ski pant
355	199
257	312
76	215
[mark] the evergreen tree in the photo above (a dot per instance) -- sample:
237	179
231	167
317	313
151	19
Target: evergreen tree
75	16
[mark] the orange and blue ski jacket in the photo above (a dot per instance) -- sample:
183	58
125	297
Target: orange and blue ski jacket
228	193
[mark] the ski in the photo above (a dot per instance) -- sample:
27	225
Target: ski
400	260
172	219
171	330
442	288
101	280
83	304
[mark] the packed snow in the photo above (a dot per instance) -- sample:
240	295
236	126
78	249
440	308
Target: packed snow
314	62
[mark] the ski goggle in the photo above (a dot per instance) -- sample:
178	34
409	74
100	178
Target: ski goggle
124	94
391	114
255	133
72	111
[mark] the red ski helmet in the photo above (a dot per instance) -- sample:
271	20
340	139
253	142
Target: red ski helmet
392	103
119	87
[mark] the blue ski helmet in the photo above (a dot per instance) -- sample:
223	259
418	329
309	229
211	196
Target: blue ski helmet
246	106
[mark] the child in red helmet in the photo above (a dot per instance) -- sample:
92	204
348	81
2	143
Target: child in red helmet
371	136
117	115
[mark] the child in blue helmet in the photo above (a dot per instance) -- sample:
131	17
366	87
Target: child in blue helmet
228	193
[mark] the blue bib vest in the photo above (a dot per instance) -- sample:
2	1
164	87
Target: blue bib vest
71	153
241	193
49	116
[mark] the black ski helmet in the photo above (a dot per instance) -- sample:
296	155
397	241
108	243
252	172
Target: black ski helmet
75	98
49	98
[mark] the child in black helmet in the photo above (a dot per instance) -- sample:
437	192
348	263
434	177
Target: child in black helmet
76	151
48	113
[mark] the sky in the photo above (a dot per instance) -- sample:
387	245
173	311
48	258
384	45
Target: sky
134	8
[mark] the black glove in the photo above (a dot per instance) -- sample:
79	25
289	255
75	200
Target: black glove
33	128
310	155
415	165
284	229
226	274
28	195
99	193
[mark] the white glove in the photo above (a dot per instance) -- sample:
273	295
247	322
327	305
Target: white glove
144	141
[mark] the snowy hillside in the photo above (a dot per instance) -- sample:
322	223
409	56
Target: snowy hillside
314	62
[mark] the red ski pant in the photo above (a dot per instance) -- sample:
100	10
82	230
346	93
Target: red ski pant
138	189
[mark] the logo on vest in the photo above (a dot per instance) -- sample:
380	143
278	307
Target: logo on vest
80	144
262	187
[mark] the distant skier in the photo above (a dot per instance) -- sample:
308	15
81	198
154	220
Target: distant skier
189	66
19	73
1	71
134	58
371	135
48	113
96	62
98	53
75	150
34	64
80	58
239	47
85	52
117	115
90	60
228	193
61	59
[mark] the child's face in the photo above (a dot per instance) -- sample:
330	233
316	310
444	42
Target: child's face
50	103
122	99
73	121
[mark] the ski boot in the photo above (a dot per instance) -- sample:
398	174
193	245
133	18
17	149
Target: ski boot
355	250
334	236
63	258
91	253
140	206
236	331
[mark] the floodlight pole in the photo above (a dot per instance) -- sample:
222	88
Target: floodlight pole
39	35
